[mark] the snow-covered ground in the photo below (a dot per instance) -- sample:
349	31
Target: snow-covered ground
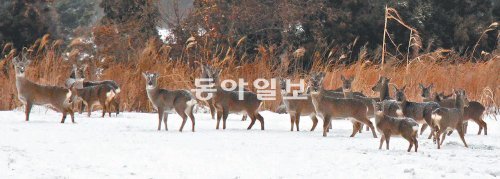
129	146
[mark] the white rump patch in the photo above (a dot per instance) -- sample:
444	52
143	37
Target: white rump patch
117	90
437	117
68	95
191	102
399	112
110	95
415	128
379	113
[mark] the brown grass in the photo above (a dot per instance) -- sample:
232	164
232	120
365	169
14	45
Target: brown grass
480	80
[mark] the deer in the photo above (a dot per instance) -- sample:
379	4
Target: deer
102	95
78	73
449	119
226	102
426	92
205	70
387	126
164	100
29	93
297	107
348	93
329	107
390	105
474	111
420	112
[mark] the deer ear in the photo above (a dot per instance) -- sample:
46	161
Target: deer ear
421	86
395	88
342	77
431	85
145	75
387	80
404	88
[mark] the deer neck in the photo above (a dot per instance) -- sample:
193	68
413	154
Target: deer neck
348	94
152	92
384	92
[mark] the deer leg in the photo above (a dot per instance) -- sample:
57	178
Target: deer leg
165	119
461	134
109	108
424	126
82	107
63	117
410	140
415	141
244	117
72	114
292	121
369	123
252	118
387	139
89	110
465	125
160	116
367	128
485	126
442	138
190	114
355	128
360	130
326	124
104	107
437	136
297	121
212	109
116	104
315	122
184	119
29	105
219	117
225	114
261	120
381	141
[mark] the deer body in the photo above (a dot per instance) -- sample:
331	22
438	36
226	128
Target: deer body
390	106
180	101
57	98
298	107
226	102
388	126
328	107
472	112
449	119
98	95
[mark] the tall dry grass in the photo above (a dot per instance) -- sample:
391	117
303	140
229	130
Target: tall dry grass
480	80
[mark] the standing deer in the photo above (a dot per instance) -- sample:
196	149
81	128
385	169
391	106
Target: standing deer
390	106
472	112
388	125
57	98
420	112
102	95
182	101
205	74
78	73
449	119
347	90
328	107
228	101
298	107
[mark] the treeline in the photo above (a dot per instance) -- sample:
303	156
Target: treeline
324	29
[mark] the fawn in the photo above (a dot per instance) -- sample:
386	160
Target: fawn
420	112
388	125
472	112
182	101
298	107
329	107
57	98
78	73
449	119
228	101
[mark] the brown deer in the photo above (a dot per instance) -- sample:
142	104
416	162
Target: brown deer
182	101
420	112
57	98
328	107
348	93
390	106
298	107
102	95
426	92
472	112
449	119
228	101
205	74
388	125
78	73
